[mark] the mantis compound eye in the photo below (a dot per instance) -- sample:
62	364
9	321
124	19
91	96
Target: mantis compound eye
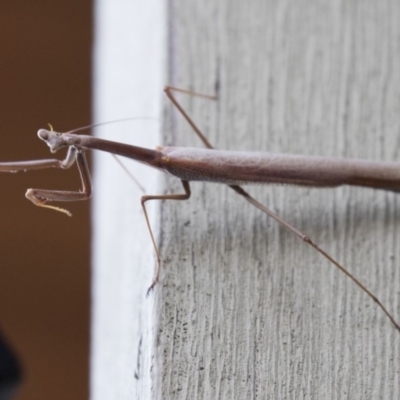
43	134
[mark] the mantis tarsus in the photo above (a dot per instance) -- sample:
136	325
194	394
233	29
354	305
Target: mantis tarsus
228	167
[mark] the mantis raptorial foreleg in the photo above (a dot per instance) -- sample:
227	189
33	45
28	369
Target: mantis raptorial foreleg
40	197
69	160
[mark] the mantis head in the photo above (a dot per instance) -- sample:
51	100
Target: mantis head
57	140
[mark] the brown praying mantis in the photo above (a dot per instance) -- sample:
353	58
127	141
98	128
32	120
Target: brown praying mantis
229	167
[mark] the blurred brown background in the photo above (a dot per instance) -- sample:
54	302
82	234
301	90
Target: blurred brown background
45	66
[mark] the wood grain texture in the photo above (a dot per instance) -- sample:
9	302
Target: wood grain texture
244	309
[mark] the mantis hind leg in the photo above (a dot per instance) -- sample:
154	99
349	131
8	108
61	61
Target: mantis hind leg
239	190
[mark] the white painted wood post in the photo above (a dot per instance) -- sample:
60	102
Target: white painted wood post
128	68
244	309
